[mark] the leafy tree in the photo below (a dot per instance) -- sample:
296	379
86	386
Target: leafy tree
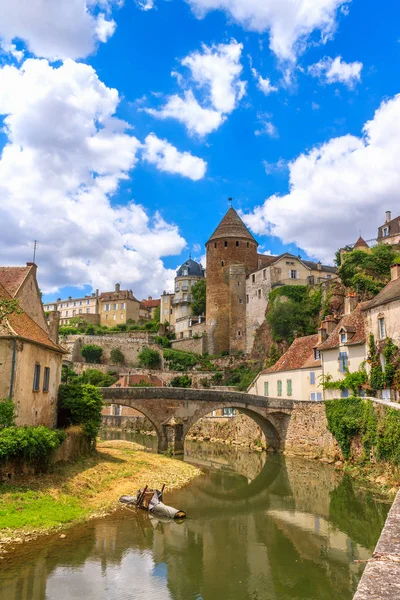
84	404
198	291
7	417
117	356
181	381
178	360
157	312
92	353
149	358
9	307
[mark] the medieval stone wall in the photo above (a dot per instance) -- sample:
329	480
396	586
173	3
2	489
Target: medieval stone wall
131	344
196	345
258	287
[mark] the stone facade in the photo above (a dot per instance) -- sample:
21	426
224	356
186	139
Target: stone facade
196	345
118	307
130	343
85	308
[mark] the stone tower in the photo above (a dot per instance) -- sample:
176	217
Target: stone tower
231	255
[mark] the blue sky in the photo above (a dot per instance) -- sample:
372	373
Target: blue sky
288	107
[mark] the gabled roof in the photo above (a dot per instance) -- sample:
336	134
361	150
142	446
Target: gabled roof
232	226
390	293
298	356
150	303
360	243
121	295
353	324
22	326
13	277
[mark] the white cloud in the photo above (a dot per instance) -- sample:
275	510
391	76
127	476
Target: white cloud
56	29
267	128
215	71
341	187
263	84
145	4
337	71
289	22
65	157
276	167
167	158
187	110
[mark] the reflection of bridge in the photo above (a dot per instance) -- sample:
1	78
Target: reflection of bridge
173	411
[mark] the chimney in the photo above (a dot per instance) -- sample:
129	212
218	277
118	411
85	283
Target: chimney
150	298
54	324
328	324
350	303
319	266
322	335
395	271
117	287
97	293
32	264
388	216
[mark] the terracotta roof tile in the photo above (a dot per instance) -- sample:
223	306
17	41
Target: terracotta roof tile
232	226
12	278
298	356
352	323
360	243
149	303
21	325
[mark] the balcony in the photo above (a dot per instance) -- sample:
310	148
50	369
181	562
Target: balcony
181	300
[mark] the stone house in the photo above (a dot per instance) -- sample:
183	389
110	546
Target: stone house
147	308
30	356
85	308
389	232
342	346
382	317
276	271
295	376
118	307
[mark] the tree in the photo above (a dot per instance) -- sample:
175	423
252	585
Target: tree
198	291
181	381
157	312
7	416
117	356
92	353
9	307
149	358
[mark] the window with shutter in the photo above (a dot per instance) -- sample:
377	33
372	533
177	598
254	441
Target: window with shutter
279	386
36	378
266	388
289	387
312	378
343	362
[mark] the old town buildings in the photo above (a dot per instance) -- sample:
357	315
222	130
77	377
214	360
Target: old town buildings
118	306
30	356
86	308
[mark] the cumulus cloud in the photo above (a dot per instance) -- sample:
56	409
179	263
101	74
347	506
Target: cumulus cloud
341	187
65	156
215	71
145	4
167	158
337	71
263	84
289	22
56	29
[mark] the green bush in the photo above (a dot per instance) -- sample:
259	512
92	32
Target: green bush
7	417
84	403
182	381
92	353
162	341
149	358
117	356
198	291
178	360
33	445
368	272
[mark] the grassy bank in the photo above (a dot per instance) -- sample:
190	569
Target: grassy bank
89	487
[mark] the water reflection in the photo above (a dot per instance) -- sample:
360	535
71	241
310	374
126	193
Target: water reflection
259	528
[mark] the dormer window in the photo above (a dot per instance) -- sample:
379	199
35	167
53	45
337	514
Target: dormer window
317	354
385	231
343	337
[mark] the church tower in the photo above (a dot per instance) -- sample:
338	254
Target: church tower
231	256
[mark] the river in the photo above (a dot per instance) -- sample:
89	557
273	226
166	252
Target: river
259	527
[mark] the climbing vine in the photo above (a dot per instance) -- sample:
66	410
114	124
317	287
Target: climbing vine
351	381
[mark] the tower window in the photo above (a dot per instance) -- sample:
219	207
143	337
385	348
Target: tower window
240	300
237	243
226	244
239	333
248	244
222	263
215	244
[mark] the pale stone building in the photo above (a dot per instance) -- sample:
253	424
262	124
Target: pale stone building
85	308
148	308
389	232
285	269
30	356
295	376
118	307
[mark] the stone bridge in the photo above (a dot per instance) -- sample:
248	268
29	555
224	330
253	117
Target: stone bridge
290	426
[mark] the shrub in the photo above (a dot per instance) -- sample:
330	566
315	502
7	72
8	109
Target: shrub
92	353
162	341
182	381
178	360
97	378
117	356
34	445
7	418
149	358
83	404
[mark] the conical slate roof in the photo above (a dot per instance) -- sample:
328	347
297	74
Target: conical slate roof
232	226
361	243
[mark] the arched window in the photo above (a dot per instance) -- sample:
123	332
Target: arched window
248	244
222	263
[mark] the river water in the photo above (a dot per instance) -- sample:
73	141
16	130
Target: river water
259	527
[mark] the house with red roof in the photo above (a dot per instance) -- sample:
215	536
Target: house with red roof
30	356
295	376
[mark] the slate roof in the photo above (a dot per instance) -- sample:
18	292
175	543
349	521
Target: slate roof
353	324
232	226
300	355
390	293
22	326
193	268
13	277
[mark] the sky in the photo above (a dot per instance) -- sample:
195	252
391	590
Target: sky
127	125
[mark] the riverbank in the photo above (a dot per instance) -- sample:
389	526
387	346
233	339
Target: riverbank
90	487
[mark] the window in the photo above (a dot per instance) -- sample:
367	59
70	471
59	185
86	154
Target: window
80	303
247	298
74	313
343	337
106	307
88	310
225	244
116	410
80	311
87	302
114	317
312	377
385	231
279	387
46	379
248	244
289	387
259	294
293	274
122	316
386	394
266	386
315	396
222	263
228	412
382	328
115	307
185	272
317	354
67	305
215	244
239	334
36	378
265	274
345	393
66	313
343	362
240	300
253	279
237	244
